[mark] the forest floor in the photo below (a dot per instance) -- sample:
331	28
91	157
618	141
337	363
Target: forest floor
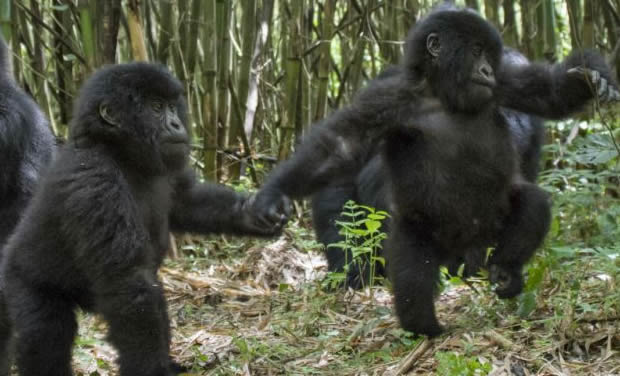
248	307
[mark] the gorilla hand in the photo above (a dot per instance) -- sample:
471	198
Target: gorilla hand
264	215
605	90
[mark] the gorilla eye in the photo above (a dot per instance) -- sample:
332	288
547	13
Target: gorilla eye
158	106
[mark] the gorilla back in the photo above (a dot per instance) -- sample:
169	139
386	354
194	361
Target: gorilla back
97	230
26	147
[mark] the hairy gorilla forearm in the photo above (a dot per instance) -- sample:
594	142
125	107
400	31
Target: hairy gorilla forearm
205	208
208	208
551	91
319	158
338	145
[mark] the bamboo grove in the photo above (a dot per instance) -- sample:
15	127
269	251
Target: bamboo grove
258	72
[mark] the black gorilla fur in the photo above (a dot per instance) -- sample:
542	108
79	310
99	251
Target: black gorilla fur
96	232
26	147
454	179
369	187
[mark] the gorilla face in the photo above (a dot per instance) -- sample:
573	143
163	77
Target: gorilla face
141	119
482	75
462	71
457	53
478	90
173	138
155	133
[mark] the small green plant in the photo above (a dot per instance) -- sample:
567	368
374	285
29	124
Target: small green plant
453	364
360	226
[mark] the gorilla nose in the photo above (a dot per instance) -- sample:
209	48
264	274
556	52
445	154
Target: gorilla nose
176	131
176	126
486	71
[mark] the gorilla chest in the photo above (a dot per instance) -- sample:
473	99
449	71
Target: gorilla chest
457	169
469	150
154	206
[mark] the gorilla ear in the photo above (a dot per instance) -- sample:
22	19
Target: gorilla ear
105	114
432	44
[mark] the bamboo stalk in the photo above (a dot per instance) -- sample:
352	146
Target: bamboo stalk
134	20
209	100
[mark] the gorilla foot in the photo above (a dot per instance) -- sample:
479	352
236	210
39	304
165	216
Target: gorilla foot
177	368
509	281
430	328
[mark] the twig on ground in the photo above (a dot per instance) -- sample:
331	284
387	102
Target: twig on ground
416	354
499	339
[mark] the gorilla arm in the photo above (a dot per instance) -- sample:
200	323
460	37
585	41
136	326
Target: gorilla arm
14	136
558	90
213	208
336	146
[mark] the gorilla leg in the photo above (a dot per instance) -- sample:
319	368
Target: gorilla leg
327	207
6	334
10	212
134	308
413	268
45	332
174	367
523	232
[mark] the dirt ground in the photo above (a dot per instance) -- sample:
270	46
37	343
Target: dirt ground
261	310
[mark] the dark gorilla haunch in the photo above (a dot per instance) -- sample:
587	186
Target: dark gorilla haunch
97	230
26	147
454	181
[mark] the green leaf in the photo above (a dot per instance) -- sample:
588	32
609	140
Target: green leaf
527	304
376	217
535	277
372	226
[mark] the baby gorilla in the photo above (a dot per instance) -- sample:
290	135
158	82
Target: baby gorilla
454	179
97	230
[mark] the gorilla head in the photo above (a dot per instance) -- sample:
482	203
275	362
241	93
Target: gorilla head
143	96
457	52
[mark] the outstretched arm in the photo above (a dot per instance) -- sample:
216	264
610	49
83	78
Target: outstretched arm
558	90
329	149
337	145
213	208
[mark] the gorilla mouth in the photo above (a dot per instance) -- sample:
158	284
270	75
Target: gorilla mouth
175	147
484	82
175	140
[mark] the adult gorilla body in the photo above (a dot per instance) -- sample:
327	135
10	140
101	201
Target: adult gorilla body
454	179
26	147
97	230
370	187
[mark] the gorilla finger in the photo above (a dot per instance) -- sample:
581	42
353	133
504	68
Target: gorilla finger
283	219
264	229
578	72
274	214
595	76
273	218
602	88
613	95
286	206
264	222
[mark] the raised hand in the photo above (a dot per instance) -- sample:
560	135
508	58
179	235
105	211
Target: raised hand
605	91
